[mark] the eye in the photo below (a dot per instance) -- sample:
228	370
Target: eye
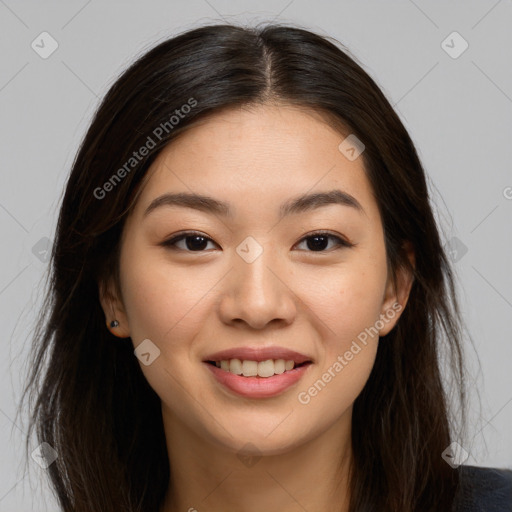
196	242
318	241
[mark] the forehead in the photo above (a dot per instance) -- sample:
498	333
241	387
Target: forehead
256	158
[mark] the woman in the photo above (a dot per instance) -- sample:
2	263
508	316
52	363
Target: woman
248	217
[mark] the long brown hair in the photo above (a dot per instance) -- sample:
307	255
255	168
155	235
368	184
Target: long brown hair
89	398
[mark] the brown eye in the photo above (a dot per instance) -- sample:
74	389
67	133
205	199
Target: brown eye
317	242
194	242
197	242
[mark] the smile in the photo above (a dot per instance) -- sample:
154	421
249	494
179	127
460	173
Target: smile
249	368
257	379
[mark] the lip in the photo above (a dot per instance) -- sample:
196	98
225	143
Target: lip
258	387
259	354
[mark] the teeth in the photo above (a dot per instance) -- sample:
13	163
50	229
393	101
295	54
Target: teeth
248	368
280	366
266	368
235	366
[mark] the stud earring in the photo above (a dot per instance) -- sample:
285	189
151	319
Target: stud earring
114	322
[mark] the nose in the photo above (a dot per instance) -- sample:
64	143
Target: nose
257	293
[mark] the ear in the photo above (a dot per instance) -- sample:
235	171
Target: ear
113	308
395	299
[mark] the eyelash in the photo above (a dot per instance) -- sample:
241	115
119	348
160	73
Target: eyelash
171	243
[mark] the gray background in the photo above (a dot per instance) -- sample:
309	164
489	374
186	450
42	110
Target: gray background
457	110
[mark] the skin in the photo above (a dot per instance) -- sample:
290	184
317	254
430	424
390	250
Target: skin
192	303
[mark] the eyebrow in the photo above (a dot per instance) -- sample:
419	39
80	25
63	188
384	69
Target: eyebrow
300	204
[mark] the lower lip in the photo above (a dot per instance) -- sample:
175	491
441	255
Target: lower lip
258	387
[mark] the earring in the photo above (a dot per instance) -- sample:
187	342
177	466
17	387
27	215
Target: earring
114	322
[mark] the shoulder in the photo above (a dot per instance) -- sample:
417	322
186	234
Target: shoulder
484	489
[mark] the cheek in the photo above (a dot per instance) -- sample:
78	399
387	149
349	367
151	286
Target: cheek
347	301
165	305
347	306
163	302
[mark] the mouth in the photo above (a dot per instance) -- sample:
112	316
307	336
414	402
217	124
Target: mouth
258	369
253	379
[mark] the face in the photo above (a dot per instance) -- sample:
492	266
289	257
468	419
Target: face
252	275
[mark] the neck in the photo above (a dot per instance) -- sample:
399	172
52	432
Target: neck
207	476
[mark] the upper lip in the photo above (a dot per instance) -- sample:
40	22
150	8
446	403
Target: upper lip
258	354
